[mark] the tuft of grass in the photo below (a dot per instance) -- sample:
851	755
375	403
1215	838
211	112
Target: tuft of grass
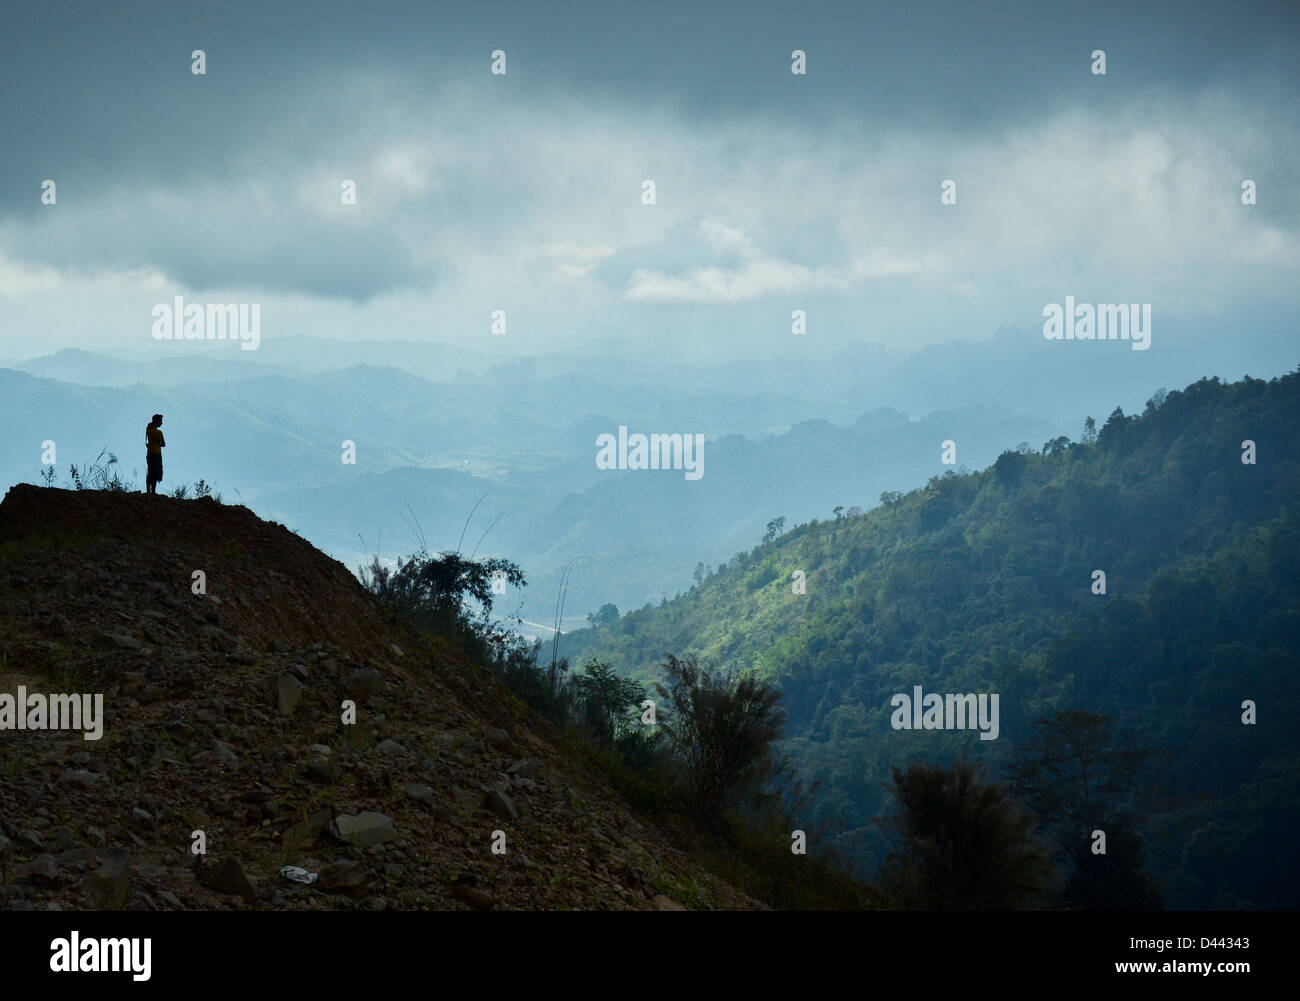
97	475
686	892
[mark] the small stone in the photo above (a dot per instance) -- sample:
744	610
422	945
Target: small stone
31	839
81	779
390	747
364	830
323	772
224	753
288	694
475	900
44	871
365	681
110	885
229	878
222	640
502	741
499	803
123	641
345	877
139	814
527	768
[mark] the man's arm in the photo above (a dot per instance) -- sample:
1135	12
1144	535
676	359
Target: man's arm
162	442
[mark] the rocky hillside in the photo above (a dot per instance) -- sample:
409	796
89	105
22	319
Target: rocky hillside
222	714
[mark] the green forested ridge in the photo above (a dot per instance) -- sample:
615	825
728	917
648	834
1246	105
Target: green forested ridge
983	583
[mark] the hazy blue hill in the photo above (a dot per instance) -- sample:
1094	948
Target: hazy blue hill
87	368
641	532
426	359
237	446
376	506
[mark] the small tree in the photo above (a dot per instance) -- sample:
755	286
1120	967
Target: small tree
603	616
1010	469
1057	446
1114	424
607	703
965	844
1077	778
722	728
440	583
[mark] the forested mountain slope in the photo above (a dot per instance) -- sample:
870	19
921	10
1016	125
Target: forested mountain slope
987	583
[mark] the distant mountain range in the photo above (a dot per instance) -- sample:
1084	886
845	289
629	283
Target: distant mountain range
437	427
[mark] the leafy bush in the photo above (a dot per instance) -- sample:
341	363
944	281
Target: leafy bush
966	845
442	582
608	705
723	728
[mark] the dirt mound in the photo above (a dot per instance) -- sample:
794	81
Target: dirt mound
224	712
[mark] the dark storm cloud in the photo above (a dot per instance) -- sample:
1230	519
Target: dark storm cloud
101	83
770	182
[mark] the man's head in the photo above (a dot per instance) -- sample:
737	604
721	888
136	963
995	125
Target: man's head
157	420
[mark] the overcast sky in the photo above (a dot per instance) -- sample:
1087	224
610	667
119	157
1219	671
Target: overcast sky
522	191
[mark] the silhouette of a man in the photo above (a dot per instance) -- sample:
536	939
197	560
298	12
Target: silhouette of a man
154	444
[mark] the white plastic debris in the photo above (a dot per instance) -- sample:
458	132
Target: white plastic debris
297	875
